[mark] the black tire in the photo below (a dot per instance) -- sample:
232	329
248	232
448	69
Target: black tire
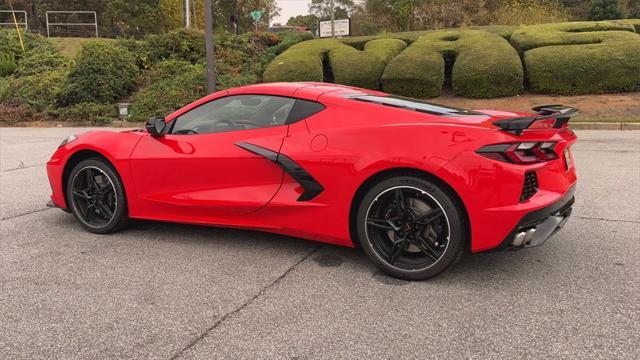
99	205
414	241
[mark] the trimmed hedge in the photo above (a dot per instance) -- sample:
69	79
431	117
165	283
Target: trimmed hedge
103	73
301	62
332	60
363	68
484	65
581	57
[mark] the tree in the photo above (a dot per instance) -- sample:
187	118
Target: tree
321	8
310	21
633	9
605	10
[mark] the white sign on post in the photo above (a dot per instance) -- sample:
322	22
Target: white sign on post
341	27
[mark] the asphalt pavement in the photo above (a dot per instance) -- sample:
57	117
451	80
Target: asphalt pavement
164	291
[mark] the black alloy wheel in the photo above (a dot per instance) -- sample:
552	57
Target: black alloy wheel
410	228
96	196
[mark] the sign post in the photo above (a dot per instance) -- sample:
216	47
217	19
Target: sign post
340	28
256	15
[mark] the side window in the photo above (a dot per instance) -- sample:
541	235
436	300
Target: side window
302	109
237	112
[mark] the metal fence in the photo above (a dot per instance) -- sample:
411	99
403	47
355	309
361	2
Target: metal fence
12	23
58	24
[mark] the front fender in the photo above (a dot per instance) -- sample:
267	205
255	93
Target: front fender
115	147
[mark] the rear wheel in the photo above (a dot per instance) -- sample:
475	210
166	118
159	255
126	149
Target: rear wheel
410	228
96	196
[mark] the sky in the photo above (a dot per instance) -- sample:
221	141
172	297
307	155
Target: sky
291	8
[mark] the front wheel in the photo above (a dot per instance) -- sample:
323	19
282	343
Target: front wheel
96	196
410	228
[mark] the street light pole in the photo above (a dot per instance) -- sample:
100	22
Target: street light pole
210	49
333	28
187	14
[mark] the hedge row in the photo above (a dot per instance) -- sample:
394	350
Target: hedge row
417	71
483	65
561	58
581	57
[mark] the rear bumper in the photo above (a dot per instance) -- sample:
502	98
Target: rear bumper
536	227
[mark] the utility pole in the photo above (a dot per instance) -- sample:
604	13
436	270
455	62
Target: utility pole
333	28
210	49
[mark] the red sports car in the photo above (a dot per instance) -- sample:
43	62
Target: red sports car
414	184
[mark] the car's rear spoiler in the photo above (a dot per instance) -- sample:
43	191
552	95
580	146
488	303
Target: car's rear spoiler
516	125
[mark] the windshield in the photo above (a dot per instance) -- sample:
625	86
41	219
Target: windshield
415	105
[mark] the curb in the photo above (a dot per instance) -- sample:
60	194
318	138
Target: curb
604	126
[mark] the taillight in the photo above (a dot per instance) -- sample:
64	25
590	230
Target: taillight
529	152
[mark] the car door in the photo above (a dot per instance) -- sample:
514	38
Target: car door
198	172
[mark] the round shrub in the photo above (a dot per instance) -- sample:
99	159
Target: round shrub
302	62
363	68
483	65
103	73
580	58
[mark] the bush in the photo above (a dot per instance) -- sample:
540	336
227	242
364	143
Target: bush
139	49
89	112
503	30
10	43
604	10
482	65
302	62
168	92
7	64
581	58
39	60
103	73
363	68
40	91
528	12
37	80
183	44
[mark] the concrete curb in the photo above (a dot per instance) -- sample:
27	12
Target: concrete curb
604	126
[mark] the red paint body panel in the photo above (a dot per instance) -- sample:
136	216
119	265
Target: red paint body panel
208	179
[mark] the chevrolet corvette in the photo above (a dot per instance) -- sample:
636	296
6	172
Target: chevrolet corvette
414	184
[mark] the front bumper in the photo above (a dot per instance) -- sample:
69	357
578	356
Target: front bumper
536	227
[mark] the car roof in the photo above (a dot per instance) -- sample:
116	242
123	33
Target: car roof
303	90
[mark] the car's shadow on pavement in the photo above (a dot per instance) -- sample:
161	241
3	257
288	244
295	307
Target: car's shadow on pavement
473	270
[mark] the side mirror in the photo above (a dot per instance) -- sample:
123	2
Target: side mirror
155	126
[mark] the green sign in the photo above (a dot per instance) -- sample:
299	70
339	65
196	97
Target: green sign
256	15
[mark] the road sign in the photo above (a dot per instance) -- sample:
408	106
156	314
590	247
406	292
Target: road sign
256	15
342	27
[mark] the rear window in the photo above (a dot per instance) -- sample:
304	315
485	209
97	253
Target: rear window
415	105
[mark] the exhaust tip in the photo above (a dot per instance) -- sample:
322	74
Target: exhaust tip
529	235
519	239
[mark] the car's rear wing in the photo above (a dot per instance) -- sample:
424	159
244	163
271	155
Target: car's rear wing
516	125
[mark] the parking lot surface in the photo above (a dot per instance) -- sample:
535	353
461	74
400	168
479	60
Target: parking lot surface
165	291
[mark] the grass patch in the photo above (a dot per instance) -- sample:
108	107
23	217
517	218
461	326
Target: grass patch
70	46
